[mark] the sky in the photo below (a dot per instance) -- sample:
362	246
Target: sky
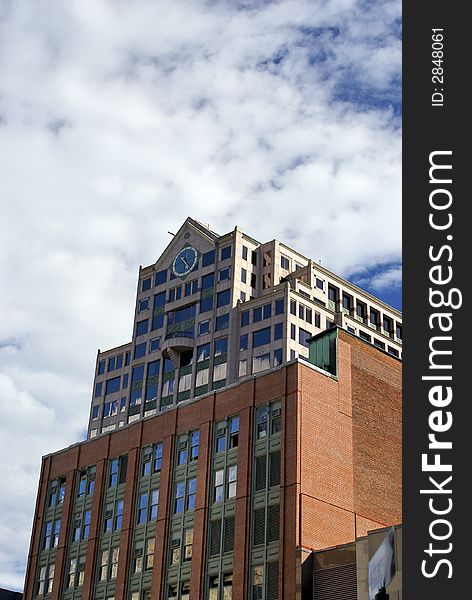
120	118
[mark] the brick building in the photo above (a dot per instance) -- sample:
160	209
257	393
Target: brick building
220	497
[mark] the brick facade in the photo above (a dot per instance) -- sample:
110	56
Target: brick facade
340	472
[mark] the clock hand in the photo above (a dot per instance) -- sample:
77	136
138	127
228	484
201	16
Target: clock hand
184	260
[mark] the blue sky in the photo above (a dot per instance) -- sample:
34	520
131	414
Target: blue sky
120	118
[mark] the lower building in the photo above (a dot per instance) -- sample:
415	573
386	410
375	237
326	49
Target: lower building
343	572
221	497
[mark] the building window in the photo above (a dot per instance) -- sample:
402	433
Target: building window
191	287
293	307
364	336
208	258
112	386
223	274
148	505
319	283
140	350
261	363
161	277
109	564
227	434
98	389
242	368
113	517
242	296
222	322
221	346
268	420
146	284
95	412
143	305
393	351
277	357
243	339
278	331
185	494
285	263
351	330
219	372
204	327
244	318
379	344
399	332
57	492
303	337
225	252
261	337
203	352
254	258
244	251
280	306
258	582
243	275
117	471
141	327
253	280
154	344
223	298
224	490
86	483
101	367
293	332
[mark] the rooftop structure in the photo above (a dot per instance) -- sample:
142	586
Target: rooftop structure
214	310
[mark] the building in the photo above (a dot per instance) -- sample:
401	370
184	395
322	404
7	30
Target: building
9	595
342	572
213	310
227	495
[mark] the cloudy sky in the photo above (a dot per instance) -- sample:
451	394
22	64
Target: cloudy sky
120	118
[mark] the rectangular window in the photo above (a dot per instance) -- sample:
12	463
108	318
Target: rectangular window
261	337
146	284
161	277
223	298
154	344
267	311
141	327
243	342
219	372
111	363
95	412
280	306
226	253
204	327
117	471
393	351
254	258
319	283
242	367
140	350
243	275
244	318
284	262
293	332
303	337
202	377
278	331
101	367
203	352
244	251
224	274
221	346
98	389
293	307
222	322
112	386
257	314
143	305
208	258
261	363
253	280
364	336
277	357
398	332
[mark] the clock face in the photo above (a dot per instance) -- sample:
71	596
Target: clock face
185	261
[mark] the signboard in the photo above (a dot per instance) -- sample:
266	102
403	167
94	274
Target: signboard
382	565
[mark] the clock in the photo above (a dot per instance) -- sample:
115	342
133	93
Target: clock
185	261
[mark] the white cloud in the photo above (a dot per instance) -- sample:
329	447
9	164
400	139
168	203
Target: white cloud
120	118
